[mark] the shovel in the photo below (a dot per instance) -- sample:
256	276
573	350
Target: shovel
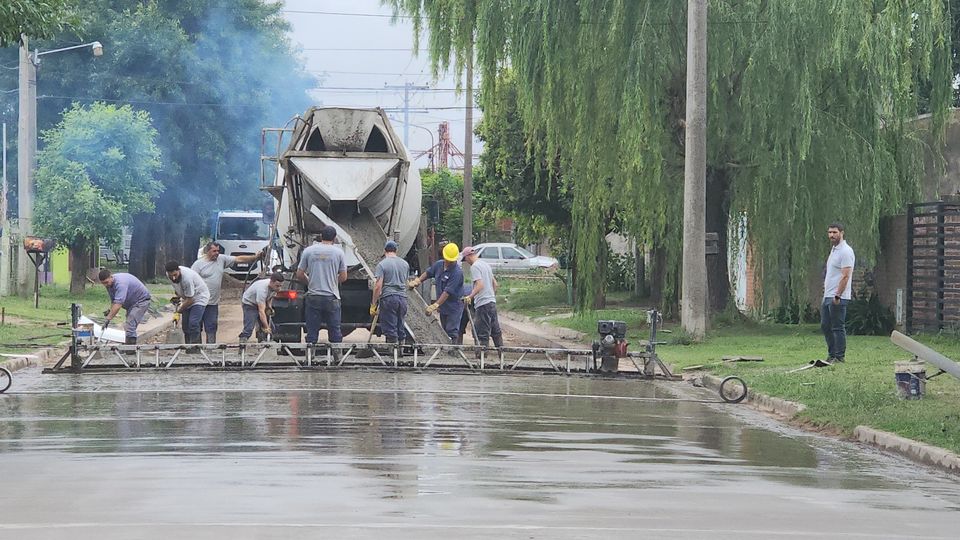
368	352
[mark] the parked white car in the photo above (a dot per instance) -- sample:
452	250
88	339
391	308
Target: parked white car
504	257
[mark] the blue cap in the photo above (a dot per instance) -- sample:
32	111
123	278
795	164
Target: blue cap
390	246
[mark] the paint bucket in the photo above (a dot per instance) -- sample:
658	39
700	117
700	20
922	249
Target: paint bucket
83	333
911	379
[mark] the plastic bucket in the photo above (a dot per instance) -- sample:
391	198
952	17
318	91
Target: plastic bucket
83	333
911	378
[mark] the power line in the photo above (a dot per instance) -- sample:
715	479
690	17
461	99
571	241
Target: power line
347	14
359	49
146	102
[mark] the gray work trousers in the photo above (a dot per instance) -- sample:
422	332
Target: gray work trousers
135	316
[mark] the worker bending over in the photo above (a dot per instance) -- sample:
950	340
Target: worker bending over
257	303
448	282
194	295
129	293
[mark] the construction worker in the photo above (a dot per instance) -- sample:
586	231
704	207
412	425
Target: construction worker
194	295
211	267
389	295
129	293
484	299
257	302
323	268
448	281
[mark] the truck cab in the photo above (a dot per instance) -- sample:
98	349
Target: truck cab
241	232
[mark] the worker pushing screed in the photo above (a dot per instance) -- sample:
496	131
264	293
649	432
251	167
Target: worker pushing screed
129	293
484	299
256	305
211	267
389	294
194	295
447	276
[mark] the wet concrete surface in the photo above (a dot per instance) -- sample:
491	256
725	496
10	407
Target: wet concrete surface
365	454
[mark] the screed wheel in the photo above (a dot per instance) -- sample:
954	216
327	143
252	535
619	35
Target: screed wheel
733	389
6	379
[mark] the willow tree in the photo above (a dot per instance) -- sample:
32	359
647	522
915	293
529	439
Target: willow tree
807	114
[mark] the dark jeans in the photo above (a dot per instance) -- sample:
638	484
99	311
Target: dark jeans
190	319
251	319
833	320
487	325
450	320
393	309
209	322
323	310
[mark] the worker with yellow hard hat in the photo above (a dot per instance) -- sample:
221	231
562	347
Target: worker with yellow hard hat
448	281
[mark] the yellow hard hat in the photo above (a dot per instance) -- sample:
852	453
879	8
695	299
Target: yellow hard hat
450	252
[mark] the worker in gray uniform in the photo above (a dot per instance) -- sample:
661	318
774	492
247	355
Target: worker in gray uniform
390	293
256	304
211	267
129	293
323	268
484	299
194	295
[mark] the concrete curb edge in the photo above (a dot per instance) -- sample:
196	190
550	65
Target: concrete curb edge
909	448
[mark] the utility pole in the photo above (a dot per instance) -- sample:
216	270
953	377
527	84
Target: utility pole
4	226
407	87
26	162
693	301
468	156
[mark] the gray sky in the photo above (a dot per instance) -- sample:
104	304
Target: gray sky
357	77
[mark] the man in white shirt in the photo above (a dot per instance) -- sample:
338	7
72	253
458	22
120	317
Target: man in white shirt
837	286
211	267
194	295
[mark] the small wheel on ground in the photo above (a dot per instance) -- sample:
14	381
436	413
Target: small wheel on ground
733	389
6	379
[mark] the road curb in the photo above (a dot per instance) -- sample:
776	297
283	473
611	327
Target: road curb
909	448
152	332
761	402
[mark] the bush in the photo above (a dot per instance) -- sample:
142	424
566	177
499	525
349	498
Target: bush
621	272
794	313
868	317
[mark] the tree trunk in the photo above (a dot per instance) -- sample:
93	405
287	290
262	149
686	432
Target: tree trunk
640	271
79	264
600	288
143	246
658	274
717	221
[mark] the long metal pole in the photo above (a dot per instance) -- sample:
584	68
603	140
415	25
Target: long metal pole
468	156
3	194
26	162
693	301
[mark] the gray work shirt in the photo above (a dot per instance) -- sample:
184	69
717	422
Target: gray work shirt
212	274
192	286
322	263
394	272
127	290
258	293
481	270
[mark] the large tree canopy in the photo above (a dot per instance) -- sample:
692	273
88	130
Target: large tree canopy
807	107
34	18
95	172
211	75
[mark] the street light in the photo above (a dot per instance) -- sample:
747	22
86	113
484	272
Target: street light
429	131
27	144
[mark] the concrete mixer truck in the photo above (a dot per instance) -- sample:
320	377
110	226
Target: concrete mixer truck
346	168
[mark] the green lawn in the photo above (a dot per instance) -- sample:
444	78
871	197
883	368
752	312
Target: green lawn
859	392
25	321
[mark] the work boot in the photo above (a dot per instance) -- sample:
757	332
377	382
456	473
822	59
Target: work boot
130	341
211	337
498	341
193	339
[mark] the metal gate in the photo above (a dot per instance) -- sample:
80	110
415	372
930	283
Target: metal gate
933	267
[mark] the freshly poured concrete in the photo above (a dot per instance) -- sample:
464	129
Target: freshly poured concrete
402	455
